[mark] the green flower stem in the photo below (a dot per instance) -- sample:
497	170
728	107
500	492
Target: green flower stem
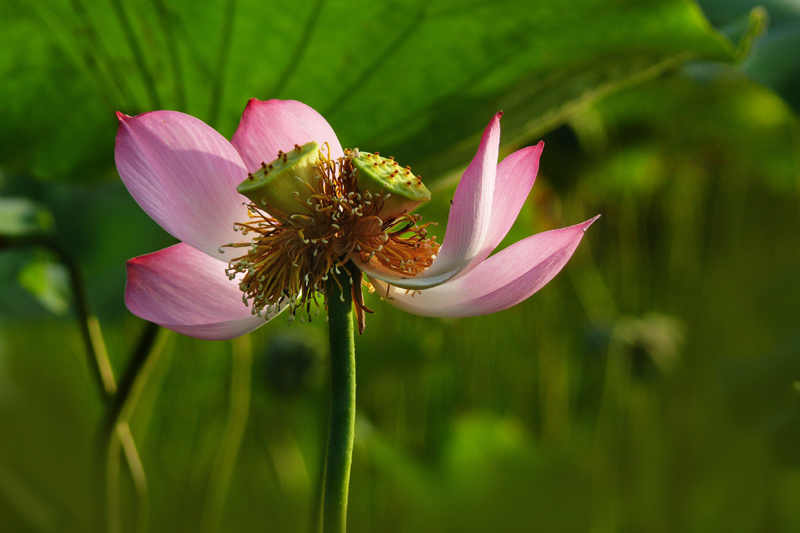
343	406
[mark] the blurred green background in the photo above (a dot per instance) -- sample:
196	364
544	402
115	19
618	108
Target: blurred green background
653	386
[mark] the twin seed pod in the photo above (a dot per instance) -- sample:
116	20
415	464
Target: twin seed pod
284	186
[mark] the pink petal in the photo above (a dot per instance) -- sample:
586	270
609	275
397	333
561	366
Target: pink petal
188	291
501	281
184	175
515	177
272	125
469	220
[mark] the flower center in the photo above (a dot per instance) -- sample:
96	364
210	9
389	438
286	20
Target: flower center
325	228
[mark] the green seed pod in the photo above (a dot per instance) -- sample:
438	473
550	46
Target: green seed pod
283	186
402	190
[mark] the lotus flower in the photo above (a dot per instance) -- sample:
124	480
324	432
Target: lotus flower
185	176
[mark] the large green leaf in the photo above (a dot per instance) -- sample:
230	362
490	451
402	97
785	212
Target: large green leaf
416	78
48	282
20	217
774	61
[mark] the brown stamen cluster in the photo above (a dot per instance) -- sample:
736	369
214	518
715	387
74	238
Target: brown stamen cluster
292	257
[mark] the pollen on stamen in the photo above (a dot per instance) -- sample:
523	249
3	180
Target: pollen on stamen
288	263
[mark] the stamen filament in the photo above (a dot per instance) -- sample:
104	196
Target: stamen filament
289	258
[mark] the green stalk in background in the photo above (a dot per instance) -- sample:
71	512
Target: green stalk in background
97	356
115	435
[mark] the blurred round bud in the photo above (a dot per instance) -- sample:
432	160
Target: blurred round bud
655	342
292	361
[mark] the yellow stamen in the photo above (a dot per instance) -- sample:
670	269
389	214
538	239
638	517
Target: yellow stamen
288	261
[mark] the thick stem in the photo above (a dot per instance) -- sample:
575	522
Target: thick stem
343	406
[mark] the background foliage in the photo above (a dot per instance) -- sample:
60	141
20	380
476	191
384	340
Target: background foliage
653	386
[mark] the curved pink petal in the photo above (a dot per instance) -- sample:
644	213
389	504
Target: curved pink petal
515	177
184	175
501	281
468	223
272	125
187	291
